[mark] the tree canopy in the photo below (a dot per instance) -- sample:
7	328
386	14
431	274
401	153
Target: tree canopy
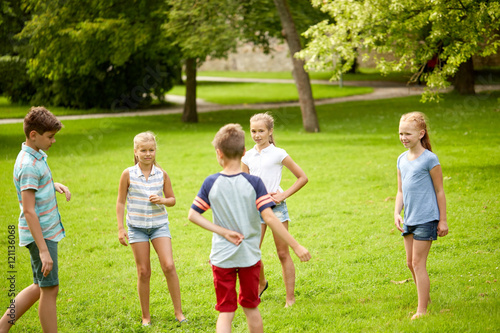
412	31
89	53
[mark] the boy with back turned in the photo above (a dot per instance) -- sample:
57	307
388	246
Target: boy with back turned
40	227
236	198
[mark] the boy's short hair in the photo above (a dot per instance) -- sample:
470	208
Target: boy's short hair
41	120
230	139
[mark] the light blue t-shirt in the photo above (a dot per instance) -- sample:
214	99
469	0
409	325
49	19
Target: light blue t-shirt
235	201
419	196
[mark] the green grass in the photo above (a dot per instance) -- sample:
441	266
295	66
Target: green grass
364	74
250	93
344	216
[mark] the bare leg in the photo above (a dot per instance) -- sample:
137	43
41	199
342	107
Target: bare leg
262	279
420	253
163	246
47	309
224	322
23	301
408	240
287	267
254	320
141	255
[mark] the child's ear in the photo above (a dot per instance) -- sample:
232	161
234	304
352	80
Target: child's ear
32	135
244	152
422	133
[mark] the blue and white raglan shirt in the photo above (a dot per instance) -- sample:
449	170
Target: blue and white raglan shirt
236	201
419	196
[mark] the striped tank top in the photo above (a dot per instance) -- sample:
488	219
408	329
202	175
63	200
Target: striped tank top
142	213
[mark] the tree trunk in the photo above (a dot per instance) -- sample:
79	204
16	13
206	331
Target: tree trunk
464	79
190	114
306	101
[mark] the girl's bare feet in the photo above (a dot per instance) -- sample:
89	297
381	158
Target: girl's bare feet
418	315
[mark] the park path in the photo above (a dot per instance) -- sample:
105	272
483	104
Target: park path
381	90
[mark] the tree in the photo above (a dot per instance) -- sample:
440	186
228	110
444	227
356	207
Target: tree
213	28
201	29
91	53
302	81
414	32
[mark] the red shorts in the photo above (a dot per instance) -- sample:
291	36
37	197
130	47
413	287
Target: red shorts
225	287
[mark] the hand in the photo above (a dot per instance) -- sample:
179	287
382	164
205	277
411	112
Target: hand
156	199
442	228
63	189
302	253
234	237
398	220
47	262
123	237
277	197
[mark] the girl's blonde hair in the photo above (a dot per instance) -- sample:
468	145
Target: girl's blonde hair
143	138
420	121
268	121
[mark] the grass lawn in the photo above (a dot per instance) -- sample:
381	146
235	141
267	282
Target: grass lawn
487	75
364	74
249	93
344	216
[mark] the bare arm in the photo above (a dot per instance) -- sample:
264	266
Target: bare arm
28	199
275	224
120	206
244	168
232	236
299	183
169	199
437	179
398	220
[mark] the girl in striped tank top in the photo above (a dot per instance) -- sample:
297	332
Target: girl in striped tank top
147	190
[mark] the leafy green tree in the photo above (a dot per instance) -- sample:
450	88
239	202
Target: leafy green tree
213	28
201	29
14	80
92	53
413	31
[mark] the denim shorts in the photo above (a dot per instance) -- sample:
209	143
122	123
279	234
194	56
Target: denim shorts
426	231
136	235
52	279
281	212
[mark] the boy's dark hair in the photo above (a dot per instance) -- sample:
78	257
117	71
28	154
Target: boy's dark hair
230	139
41	120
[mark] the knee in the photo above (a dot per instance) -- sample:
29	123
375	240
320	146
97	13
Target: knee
143	272
410	265
418	266
168	267
284	255
49	291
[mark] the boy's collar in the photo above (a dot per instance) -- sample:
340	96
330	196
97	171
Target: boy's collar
38	154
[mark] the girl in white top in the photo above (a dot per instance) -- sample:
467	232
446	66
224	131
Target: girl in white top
266	161
421	194
148	189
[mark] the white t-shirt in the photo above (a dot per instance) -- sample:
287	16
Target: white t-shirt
267	165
